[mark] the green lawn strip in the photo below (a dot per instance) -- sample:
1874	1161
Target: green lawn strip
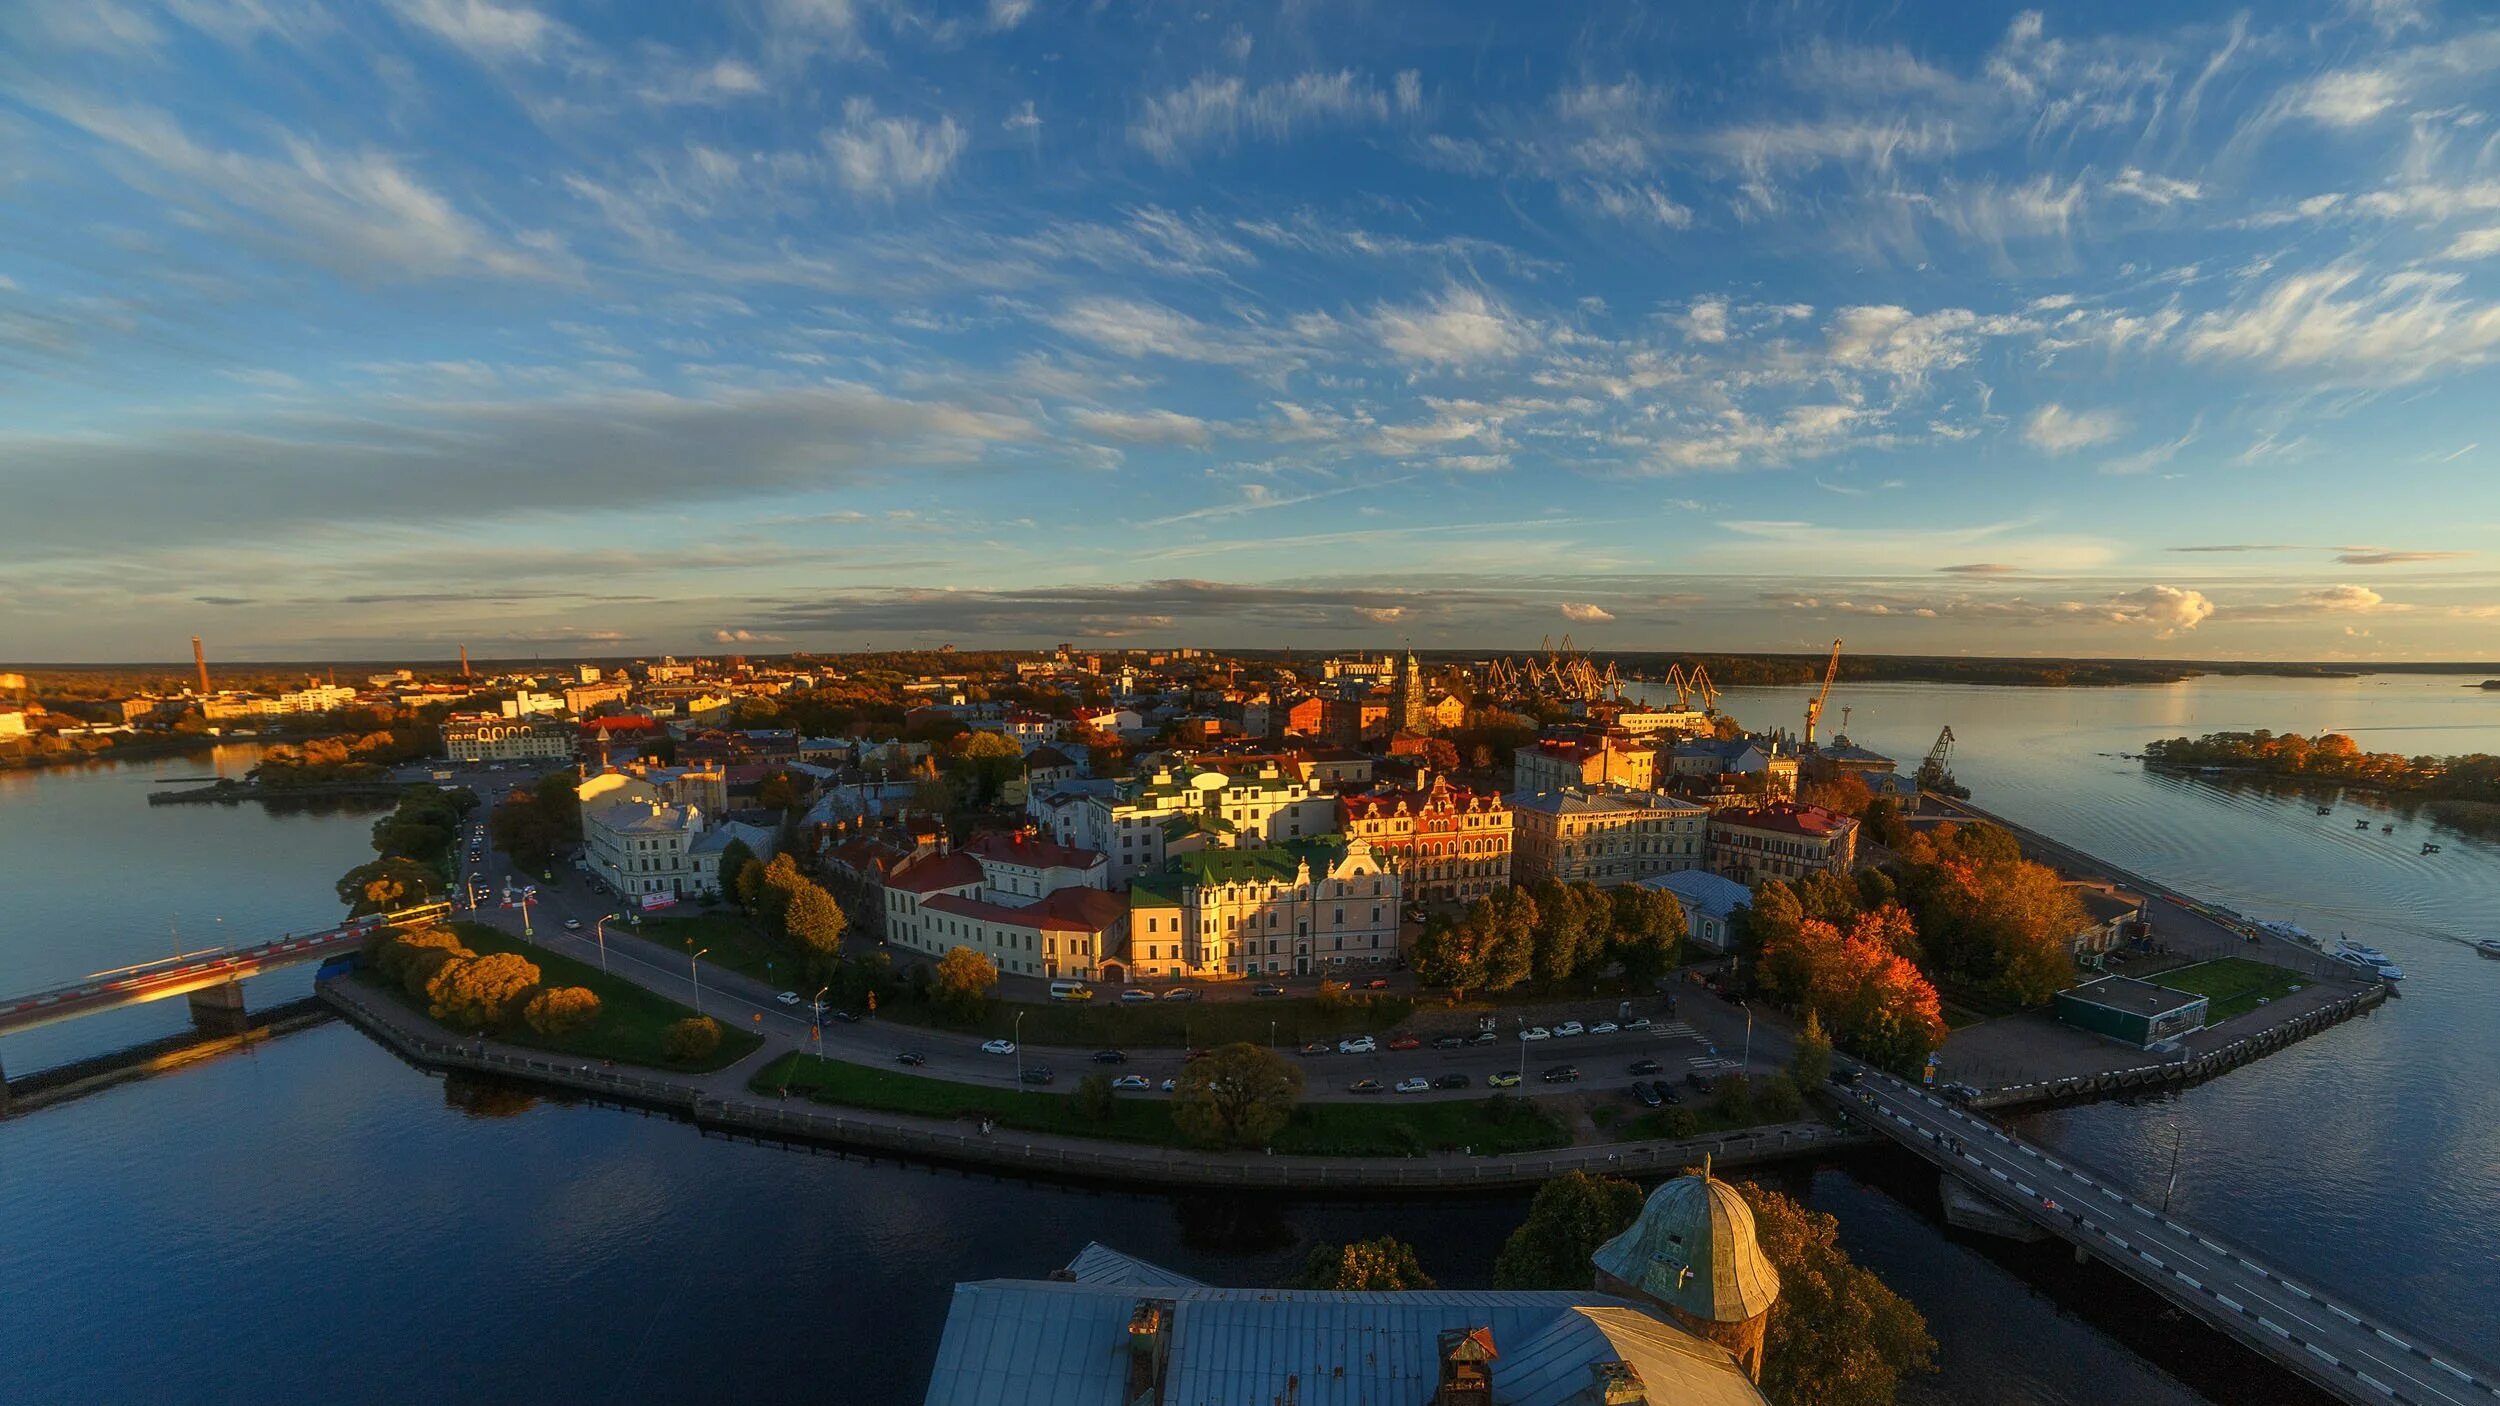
630	1017
1397	1129
2234	985
1104	1022
729	939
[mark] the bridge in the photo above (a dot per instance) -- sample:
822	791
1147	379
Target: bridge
2350	1354
212	978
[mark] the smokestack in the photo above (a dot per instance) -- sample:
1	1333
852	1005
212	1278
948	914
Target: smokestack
464	661
199	657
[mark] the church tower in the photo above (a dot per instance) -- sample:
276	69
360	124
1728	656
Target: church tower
1692	1252
1410	694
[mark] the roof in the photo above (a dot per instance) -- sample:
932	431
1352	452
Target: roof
1095	910
2125	993
1025	848
1600	800
1046	1343
1700	889
1044	758
1036	916
2101	905
1098	1263
1786	819
1693	1247
935	872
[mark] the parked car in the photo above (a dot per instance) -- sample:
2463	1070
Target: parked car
1568	1029
1131	1081
1360	1044
1665	1091
1647	1095
1170	1084
1702	1079
1377	983
913	1057
1636	1024
998	1047
1181	993
1485	1037
1109	1057
1364	1086
1506	1079
1960	1093
572	925
1319	1047
1644	1066
1133	996
1450	1081
1406	1042
1561	1074
1604	1027
1039	1074
847	1017
1536	1032
1267	991
1193	1056
1414	1084
1846	1078
787	998
1449	1042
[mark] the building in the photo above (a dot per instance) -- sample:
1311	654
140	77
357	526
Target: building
653	852
703	785
1642	722
2115	918
1109	1328
1709	903
316	698
1032	906
1605	836
1841	757
1604	760
1781	841
2132	1012
526	703
1703	758
1447	843
581	698
1309	906
484	737
1147	819
1407	697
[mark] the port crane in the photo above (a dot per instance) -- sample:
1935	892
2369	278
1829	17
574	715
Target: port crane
1936	773
1814	705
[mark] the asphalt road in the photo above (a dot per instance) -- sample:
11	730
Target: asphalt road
2362	1358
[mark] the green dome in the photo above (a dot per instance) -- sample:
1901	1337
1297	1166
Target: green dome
1692	1248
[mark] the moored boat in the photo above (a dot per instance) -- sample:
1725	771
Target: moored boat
2489	946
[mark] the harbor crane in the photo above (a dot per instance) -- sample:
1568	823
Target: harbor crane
1936	773
1814	705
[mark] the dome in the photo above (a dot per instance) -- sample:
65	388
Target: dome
1692	1248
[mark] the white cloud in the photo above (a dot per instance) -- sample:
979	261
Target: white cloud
1706	320
1580	612
1143	427
2473	244
2348	98
2406	325
1007	14
485	30
744	637
1410	91
1640	204
1462	327
1023	119
2155	189
2170	609
885	156
1216	111
2055	429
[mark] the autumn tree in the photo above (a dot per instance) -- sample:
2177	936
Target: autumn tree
1571	1216
1838	1335
385	885
774	887
557	1011
1811	1062
963	982
397	952
735	856
1387	1263
815	922
481	992
1648	934
692	1039
1237	1096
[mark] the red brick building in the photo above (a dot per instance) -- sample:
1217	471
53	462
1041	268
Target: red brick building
1445	842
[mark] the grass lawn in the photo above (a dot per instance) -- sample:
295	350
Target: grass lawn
1103	1021
734	942
630	1017
1381	1128
2234	985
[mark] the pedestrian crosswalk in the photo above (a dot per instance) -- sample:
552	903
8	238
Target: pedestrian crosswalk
1676	1027
1708	1062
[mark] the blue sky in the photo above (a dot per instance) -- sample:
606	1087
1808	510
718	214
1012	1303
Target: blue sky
369	329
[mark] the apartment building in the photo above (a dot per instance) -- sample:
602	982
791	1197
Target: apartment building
1603	760
1447	843
1323	906
1605	835
1781	841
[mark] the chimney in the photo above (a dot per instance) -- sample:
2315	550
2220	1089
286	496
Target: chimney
464	661
199	657
1466	1368
1149	1349
1616	1384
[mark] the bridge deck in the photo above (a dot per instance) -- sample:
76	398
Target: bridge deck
172	979
2352	1355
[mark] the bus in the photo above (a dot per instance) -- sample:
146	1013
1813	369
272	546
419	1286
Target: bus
1066	990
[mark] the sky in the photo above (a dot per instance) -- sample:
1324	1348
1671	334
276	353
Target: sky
370	329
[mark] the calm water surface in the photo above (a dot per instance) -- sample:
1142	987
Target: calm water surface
316	1220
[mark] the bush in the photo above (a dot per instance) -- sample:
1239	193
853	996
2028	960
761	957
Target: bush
562	1010
1335	995
394	952
1732	1101
1677	1122
1095	1098
693	1038
1780	1099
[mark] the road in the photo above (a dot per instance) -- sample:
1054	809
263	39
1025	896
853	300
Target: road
2343	1349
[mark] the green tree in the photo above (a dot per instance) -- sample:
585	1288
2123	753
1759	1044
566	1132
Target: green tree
778	792
1778	1100
1838	1335
1574	923
1731	1100
1509	921
1238	1096
1364	1265
557	1011
1095	1100
1571	1216
963	982
1811	1063
772	903
1648	933
387	884
815	922
734	859
480	993
750	889
692	1039
1450	954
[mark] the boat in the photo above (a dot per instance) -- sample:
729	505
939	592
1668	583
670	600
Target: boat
2281	928
2387	829
2489	946
2429	848
2326	810
2363	966
2346	946
2361	825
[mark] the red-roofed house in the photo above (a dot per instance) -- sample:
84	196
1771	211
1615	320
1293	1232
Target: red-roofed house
1445	842
1032	905
1781	842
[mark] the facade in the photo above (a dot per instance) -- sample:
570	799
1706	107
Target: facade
1702	758
581	698
1033	906
2132	1012
1641	722
1582	763
1605	836
1298	909
1146	820
1781	842
1447	843
643	848
1709	903
2116	919
483	737
705	785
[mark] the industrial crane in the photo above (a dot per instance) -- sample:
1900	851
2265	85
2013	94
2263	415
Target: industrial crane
1814	705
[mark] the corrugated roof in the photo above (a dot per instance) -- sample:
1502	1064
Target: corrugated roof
1098	1263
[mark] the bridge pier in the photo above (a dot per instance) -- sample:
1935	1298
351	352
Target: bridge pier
4	1090
218	1010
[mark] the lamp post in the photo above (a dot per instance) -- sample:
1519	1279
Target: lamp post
1749	1038
1523	1052
599	932
1020	1051
695	974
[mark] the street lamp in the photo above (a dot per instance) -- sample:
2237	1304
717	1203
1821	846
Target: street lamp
1748	1036
1020	1051
695	974
599	930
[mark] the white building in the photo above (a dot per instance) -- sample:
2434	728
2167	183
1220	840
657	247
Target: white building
1605	836
651	851
1145	821
483	737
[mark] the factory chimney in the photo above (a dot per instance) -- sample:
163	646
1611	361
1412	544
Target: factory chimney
464	661
199	657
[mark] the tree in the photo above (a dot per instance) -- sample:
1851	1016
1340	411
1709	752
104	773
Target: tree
398	951
481	993
1509	922
385	885
1450	954
1845	794
1732	1100
778	792
1440	754
1838	1336
1095	1100
734	859
750	885
964	979
1811	1063
1237	1096
1387	1263
781	878
1574	921
815	923
1648	933
426	961
1779	1099
1571	1216
691	1039
557	1011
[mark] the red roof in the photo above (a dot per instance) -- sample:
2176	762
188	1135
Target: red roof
1787	819
623	724
1037	917
1024	847
1095	910
930	873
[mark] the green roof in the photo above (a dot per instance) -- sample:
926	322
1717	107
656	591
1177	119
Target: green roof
1271	864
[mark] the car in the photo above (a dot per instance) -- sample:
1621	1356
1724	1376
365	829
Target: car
1506	1079
1414	1084
572	925
1109	1057
1561	1074
1451	1081
1133	997
788	998
1702	1079
2049	1203
1364	1086
1449	1042
1406	1042
1536	1032
1665	1091
914	1057
1319	1047
1193	1056
852	1018
1169	1085
1960	1093
1377	983
1647	1095
1037	1074
998	1047
1568	1029
1181	993
1643	1066
1604	1027
1846	1078
1360	1044
1636	1025
1267	991
1131	1081
1485	1037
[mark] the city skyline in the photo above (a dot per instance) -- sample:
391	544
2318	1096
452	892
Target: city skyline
366	332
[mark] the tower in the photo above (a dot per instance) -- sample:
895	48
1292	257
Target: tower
199	659
1692	1252
1410	694
464	661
